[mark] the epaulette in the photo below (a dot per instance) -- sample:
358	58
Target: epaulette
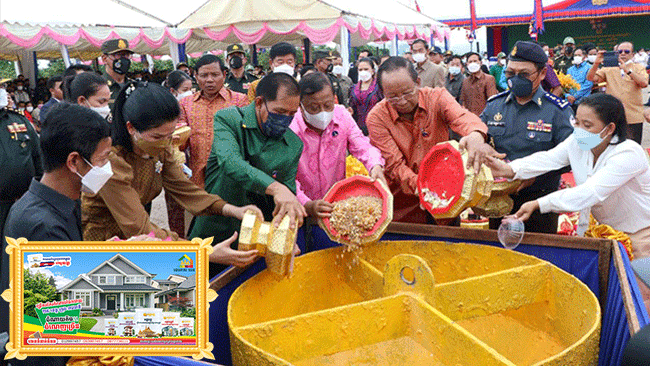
561	103
22	113
499	95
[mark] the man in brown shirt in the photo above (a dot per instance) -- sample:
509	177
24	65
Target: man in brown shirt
626	82
478	87
430	74
408	123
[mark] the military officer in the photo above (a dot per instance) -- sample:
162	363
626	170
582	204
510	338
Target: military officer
565	60
525	120
323	63
117	60
20	159
238	79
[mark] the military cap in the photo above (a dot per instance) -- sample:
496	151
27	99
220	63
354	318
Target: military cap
568	40
234	48
319	55
528	51
115	45
435	49
2	81
448	53
501	55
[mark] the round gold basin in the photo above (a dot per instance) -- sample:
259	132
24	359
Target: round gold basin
415	303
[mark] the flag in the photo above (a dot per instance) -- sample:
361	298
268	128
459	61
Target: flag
472	14
538	18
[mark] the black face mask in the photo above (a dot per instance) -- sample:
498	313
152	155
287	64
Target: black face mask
330	67
121	65
236	62
569	50
520	87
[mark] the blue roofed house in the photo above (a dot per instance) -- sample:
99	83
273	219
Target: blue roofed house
115	284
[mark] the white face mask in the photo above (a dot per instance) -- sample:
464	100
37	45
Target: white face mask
473	67
419	57
4	98
29	109
103	111
547	53
287	69
19	87
319	120
365	75
577	60
96	177
183	95
454	70
502	62
591	58
338	70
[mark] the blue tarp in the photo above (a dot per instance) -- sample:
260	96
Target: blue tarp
581	263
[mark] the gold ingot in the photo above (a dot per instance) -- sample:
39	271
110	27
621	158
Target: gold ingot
499	203
275	244
183	134
487	306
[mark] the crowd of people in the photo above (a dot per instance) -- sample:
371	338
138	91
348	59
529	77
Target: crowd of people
87	159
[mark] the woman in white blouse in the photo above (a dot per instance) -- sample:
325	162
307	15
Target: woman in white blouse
612	173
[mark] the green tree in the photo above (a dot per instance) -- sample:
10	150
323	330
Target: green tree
56	67
37	289
7	69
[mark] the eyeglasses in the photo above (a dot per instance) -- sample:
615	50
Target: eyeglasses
403	96
523	74
623	51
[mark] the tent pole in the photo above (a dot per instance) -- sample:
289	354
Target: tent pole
345	49
65	55
173	52
307	44
254	54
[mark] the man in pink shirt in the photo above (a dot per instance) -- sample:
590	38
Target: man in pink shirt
328	132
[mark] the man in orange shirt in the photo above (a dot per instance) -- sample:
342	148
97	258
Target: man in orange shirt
408	123
198	110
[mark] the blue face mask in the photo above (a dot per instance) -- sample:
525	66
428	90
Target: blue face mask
587	140
276	124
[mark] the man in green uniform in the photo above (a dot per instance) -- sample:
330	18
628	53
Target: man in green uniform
565	60
254	159
323	63
20	159
117	60
525	120
238	79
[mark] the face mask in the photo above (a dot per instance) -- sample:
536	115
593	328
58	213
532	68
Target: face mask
569	50
236	62
330	67
19	87
454	70
547	53
151	148
103	111
502	62
276	124
473	67
591	58
419	57
365	75
121	65
577	60
29	109
22	109
183	95
587	140
520	87
96	177
319	120
287	69
4	99
338	70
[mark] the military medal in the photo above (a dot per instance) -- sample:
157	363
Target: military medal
498	117
159	167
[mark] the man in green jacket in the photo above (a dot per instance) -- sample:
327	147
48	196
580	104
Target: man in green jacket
254	159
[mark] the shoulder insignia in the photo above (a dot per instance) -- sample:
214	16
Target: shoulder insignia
498	95
562	104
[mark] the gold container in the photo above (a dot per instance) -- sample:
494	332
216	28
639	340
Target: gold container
275	244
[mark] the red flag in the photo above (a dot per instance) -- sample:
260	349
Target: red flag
417	6
472	14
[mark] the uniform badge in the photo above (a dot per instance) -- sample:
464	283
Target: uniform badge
498	117
158	167
496	124
274	174
531	135
23	144
539	126
514	51
121	44
539	102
